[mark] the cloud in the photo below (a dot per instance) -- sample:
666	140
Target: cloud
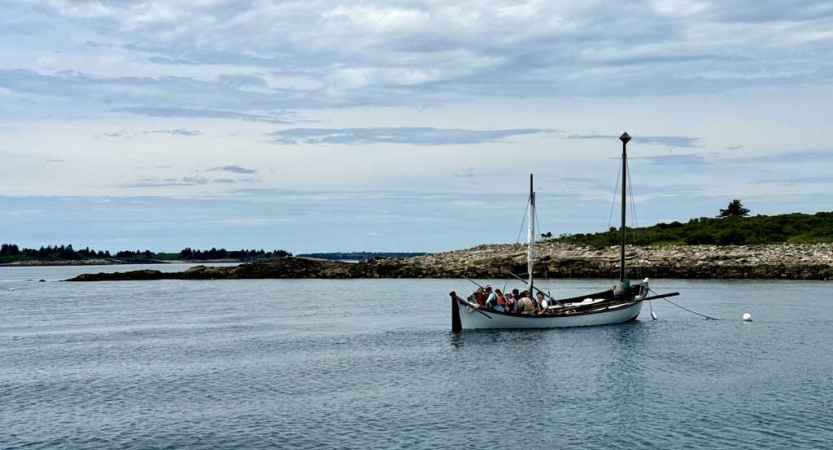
688	159
171	61
195	180
116	134
233	169
159	96
667	141
168	182
241	80
162	111
124	134
397	135
797	181
240	60
469	172
180	132
785	157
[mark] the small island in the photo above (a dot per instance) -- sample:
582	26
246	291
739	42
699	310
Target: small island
555	260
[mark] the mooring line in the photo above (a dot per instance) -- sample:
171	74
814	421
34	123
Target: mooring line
684	308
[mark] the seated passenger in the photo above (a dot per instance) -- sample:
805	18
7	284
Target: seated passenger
510	303
480	296
541	303
526	304
491	298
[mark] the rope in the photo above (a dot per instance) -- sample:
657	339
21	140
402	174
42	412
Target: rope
523	221
615	191
537	226
634	220
683	308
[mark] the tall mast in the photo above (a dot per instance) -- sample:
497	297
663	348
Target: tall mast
530	237
624	138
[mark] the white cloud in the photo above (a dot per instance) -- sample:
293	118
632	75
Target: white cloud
111	86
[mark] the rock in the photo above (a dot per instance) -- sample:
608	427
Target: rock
555	260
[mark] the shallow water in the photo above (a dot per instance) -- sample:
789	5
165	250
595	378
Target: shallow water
372	364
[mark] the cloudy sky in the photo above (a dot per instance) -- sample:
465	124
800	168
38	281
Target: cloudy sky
406	125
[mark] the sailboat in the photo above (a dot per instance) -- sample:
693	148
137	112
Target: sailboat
619	304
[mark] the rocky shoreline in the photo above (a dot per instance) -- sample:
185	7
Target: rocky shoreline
553	260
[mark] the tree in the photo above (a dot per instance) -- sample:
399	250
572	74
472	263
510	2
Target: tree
735	209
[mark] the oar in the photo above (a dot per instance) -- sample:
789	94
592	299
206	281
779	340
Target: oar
535	288
469	279
673	294
470	304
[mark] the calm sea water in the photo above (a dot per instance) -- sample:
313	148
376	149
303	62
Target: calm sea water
312	364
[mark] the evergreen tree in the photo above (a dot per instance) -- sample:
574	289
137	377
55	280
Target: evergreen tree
735	209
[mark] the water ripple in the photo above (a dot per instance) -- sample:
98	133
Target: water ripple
213	365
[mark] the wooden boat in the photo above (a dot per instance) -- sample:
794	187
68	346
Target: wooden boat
619	304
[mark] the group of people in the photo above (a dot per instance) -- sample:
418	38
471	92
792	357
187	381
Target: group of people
515	302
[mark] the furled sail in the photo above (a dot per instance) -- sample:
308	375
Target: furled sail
530	237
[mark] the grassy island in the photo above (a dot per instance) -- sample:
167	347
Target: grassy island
793	228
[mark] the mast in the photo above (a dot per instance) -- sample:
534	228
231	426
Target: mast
624	138
530	236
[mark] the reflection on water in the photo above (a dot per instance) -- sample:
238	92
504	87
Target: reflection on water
247	364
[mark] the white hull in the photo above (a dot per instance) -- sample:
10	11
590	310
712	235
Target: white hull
471	319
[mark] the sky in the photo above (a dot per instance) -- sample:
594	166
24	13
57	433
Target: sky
407	125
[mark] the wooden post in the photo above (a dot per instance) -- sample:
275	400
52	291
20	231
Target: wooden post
456	323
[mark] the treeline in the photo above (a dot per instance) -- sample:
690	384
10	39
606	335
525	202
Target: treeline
360	256
51	253
12	253
189	255
729	230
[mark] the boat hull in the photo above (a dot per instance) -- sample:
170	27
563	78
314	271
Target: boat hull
473	320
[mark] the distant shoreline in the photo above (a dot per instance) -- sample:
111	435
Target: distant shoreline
553	260
112	262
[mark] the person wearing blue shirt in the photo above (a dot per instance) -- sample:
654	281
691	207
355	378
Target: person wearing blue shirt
491	298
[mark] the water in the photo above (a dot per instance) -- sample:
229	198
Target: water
312	364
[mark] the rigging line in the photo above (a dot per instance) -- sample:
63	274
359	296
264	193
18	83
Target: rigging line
523	221
684	308
615	191
538	224
634	221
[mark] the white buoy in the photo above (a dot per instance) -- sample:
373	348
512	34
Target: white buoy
653	315
747	317
11	289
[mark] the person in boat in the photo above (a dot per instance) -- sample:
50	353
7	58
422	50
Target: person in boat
491	298
480	296
540	303
526	305
510	303
501	300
